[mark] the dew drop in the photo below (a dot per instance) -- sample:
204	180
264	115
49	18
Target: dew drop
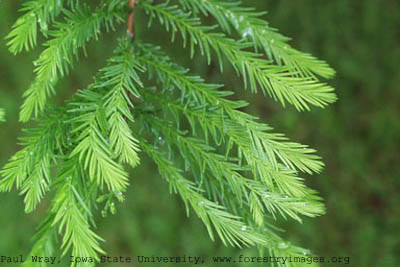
304	253
161	140
247	32
283	245
201	203
244	228
229	14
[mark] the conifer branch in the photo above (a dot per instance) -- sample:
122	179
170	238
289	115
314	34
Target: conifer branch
93	147
242	173
81	26
123	80
279	82
45	239
29	169
24	33
230	229
232	16
269	147
71	213
196	152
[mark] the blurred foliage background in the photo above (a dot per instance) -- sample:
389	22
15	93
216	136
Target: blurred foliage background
358	138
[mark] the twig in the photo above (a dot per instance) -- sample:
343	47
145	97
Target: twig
131	19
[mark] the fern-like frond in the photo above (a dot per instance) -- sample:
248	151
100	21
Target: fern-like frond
72	215
81	25
262	146
24	32
45	239
122	80
280	82
29	169
230	228
93	147
233	16
215	166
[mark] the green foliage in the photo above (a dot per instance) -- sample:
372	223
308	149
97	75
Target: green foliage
280	82
80	26
24	33
30	168
231	16
231	170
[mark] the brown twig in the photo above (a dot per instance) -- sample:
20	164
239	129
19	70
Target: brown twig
131	19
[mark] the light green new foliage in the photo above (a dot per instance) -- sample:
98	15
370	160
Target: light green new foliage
280	82
120	75
29	169
231	170
24	33
231	16
82	25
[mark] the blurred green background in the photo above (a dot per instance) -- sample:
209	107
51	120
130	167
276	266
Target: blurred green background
358	138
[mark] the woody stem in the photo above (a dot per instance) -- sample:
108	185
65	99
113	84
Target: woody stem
131	19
